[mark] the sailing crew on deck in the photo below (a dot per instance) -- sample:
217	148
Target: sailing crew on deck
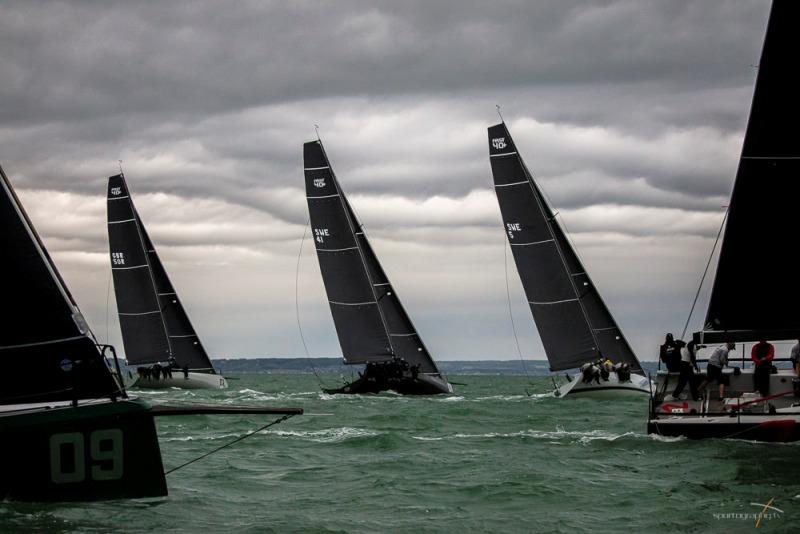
716	362
762	354
414	371
589	372
606	366
670	354
623	372
687	367
795	358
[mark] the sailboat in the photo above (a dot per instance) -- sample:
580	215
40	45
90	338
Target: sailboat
575	325
156	331
373	327
754	296
66	426
68	429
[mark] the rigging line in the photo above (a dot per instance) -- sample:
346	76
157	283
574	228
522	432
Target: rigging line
559	219
508	293
237	440
108	296
511	315
705	272
541	202
355	227
297	303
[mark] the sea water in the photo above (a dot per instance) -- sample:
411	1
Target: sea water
499	455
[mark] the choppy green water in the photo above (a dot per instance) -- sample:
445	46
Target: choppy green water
489	458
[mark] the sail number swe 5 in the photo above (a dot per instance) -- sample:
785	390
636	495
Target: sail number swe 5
69	456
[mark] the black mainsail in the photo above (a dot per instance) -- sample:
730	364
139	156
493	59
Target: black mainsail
370	320
754	295
46	347
574	323
154	324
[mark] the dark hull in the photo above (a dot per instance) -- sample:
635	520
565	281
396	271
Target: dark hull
422	385
96	451
774	429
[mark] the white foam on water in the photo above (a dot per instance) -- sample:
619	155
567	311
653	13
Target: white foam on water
454	398
201	438
556	436
328	435
666	439
506	397
252	394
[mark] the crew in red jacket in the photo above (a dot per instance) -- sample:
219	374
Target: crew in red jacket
762	354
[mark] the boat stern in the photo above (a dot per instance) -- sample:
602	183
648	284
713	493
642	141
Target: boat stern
97	450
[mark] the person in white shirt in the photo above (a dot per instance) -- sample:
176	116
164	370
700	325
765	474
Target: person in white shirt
795	357
716	362
688	366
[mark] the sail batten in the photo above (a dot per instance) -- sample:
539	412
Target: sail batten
573	321
156	328
750	300
370	321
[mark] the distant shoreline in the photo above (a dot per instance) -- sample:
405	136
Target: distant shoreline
335	366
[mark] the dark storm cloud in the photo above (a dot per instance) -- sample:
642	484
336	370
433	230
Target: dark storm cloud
94	77
71	60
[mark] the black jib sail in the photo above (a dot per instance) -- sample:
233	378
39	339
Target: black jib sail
46	347
573	321
154	324
754	296
370	320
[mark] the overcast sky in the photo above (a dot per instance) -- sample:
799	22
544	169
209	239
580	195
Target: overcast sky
630	114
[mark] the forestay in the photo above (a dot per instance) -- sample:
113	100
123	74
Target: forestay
755	295
187	348
46	350
573	321
370	320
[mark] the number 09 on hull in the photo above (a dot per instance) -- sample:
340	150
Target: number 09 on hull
98	450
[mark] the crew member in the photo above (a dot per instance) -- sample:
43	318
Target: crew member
795	357
716	362
670	354
623	372
762	354
687	367
589	372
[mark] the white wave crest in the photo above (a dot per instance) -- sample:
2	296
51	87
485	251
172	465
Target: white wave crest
328	435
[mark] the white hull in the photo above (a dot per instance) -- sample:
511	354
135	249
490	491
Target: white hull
606	389
193	381
744	413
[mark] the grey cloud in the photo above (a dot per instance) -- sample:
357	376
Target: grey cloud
630	113
70	60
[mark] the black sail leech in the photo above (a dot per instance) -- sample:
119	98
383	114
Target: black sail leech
46	350
573	321
187	349
154	324
370	320
754	295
